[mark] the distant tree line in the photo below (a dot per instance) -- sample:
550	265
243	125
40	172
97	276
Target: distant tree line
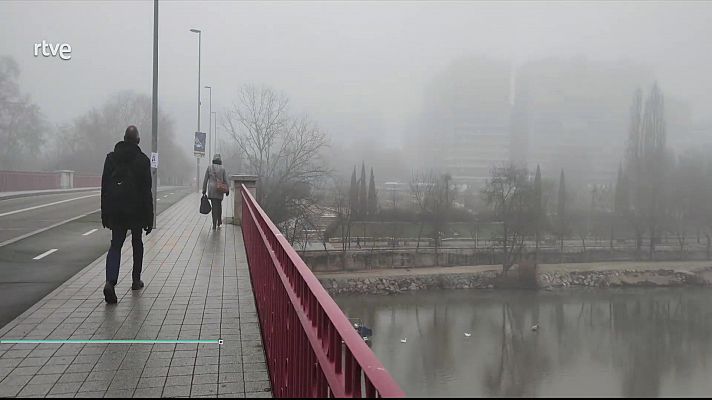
656	195
23	127
657	198
29	142
83	143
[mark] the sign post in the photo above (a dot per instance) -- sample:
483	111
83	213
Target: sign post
199	146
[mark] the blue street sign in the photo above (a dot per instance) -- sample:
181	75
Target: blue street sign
199	145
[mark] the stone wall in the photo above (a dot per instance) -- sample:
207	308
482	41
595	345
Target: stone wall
364	260
399	284
491	279
620	278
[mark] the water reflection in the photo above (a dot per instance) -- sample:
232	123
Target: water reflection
650	342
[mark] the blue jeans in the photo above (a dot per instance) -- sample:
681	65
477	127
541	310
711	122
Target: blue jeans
113	259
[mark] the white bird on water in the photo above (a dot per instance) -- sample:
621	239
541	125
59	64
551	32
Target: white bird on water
404	340
535	327
468	334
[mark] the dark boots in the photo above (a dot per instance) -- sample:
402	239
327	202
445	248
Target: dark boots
110	293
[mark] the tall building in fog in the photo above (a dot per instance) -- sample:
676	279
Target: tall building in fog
574	114
570	114
465	124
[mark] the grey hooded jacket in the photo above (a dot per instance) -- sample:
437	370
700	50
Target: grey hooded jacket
212	174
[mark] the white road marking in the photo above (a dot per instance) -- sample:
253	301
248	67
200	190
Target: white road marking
45	254
45	205
90	232
25	236
38	231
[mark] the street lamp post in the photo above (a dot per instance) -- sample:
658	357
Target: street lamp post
215	130
154	112
210	128
197	158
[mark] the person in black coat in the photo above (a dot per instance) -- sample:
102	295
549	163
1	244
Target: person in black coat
126	204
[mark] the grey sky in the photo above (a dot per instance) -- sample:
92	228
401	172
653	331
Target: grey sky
359	68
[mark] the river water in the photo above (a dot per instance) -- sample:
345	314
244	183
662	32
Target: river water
628	342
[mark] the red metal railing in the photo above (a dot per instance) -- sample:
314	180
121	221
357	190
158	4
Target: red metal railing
28	180
312	349
87	181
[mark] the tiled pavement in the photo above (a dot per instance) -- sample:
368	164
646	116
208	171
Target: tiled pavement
197	287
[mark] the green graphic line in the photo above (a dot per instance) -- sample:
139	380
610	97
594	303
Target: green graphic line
100	341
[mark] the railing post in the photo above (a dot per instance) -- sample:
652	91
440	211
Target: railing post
66	179
250	182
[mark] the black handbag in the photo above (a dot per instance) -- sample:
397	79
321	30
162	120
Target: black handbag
205	207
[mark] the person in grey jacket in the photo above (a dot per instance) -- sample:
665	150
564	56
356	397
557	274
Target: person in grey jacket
214	173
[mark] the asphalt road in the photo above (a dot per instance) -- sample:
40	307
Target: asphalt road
31	268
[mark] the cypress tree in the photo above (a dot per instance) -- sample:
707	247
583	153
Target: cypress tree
362	195
353	194
372	197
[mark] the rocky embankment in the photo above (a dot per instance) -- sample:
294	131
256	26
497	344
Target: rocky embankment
398	284
547	277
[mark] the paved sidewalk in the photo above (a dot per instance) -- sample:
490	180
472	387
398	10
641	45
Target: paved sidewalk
197	287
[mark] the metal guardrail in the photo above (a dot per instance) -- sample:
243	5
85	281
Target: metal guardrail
312	349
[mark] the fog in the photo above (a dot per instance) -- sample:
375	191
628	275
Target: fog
363	71
359	68
415	133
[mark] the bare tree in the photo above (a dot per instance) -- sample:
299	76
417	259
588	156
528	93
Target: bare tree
474	231
655	161
633	173
688	196
647	165
22	125
620	203
579	220
439	206
704	205
510	194
284	151
341	207
538	213
422	186
82	145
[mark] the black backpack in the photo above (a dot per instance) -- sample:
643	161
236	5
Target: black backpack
124	197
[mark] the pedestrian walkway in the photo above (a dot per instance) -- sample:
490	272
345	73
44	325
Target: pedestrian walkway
197	287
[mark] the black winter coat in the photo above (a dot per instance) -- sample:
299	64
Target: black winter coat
140	165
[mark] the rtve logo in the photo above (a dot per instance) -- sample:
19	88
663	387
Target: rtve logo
63	50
